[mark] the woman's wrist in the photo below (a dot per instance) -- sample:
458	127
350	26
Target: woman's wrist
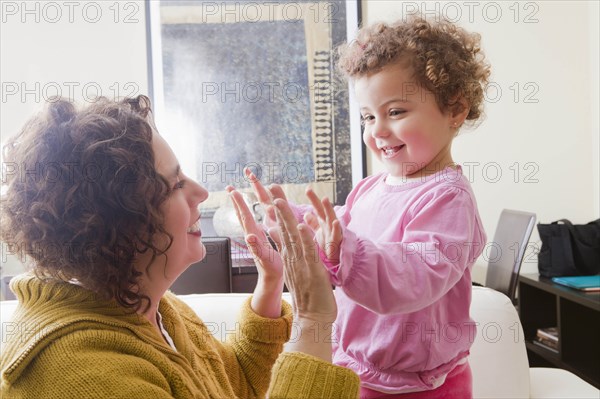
313	338
266	300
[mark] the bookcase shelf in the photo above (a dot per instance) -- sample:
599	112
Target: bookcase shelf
544	304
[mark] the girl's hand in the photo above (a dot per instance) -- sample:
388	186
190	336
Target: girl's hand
265	197
325	225
266	300
307	280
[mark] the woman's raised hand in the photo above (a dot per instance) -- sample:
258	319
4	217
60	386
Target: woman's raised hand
307	280
265	197
266	300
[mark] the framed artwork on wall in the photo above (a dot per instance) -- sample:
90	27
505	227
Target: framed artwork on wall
253	84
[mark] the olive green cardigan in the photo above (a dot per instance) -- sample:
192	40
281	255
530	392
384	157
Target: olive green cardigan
65	342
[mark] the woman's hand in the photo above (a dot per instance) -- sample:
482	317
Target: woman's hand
325	225
266	300
265	197
307	280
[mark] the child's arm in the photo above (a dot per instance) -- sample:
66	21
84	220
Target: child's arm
441	240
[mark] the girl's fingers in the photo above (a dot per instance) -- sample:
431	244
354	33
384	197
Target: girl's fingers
330	215
336	232
311	221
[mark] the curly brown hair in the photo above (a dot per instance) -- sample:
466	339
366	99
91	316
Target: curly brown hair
445	59
83	195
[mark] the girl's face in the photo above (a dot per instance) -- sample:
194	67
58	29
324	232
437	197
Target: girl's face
181	214
404	127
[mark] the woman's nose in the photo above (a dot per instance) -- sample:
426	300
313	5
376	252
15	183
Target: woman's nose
199	193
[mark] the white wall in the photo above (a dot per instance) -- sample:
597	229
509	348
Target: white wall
556	139
552	143
77	49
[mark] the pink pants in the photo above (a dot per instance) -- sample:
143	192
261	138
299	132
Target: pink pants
458	385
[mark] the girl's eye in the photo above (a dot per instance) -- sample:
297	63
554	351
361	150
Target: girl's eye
366	118
396	112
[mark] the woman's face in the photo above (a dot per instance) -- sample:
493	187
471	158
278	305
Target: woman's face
181	214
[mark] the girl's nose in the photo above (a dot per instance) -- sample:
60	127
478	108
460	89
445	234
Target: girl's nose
380	129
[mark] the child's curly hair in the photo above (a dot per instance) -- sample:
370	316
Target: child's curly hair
445	59
83	195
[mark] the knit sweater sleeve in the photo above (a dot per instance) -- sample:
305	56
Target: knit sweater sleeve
298	375
251	351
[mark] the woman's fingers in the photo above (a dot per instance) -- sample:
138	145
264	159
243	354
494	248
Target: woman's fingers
261	192
246	217
277	192
276	237
309	248
287	225
254	246
243	213
266	259
306	277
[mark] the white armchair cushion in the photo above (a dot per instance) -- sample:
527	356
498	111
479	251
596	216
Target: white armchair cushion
559	383
218	311
498	356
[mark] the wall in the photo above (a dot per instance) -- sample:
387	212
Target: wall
77	49
538	156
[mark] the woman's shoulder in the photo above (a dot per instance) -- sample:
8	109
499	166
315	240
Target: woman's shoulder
66	361
55	336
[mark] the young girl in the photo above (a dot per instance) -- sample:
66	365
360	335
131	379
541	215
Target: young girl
401	249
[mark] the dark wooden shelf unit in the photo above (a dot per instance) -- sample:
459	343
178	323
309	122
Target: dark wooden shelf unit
542	304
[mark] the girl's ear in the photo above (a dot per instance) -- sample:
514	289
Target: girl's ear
459	111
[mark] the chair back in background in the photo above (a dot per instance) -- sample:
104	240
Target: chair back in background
210	275
507	250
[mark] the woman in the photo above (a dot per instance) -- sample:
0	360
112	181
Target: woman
109	221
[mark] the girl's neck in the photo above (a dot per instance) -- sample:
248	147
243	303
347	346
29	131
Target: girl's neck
417	176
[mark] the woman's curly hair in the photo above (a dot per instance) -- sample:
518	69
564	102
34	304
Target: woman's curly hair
83	197
445	59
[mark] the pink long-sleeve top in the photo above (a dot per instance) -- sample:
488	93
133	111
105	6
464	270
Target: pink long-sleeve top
404	280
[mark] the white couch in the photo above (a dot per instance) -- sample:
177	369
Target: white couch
498	356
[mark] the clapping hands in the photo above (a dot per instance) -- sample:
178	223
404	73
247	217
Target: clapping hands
306	278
